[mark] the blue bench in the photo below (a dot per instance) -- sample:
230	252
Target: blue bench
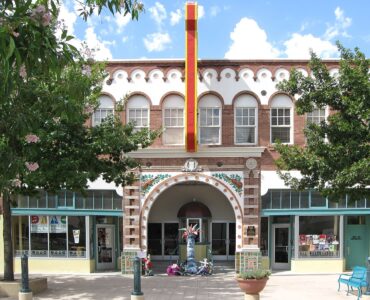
355	280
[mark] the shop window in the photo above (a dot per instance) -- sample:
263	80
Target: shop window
58	236
48	236
21	234
319	237
76	236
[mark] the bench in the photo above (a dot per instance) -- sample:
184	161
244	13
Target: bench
355	280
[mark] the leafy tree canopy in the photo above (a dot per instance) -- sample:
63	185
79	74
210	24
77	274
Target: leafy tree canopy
48	91
336	158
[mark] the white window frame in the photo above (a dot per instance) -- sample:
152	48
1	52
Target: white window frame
255	126
219	126
138	103
321	117
282	101
103	106
177	126
282	126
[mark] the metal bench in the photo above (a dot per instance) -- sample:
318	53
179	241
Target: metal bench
355	280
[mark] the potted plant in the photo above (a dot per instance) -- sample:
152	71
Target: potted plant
253	282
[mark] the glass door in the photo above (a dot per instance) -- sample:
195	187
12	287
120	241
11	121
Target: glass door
105	247
155	240
281	246
171	240
223	240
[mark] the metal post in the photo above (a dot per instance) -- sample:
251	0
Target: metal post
25	282
137	277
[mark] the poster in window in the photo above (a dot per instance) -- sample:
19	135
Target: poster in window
39	224
58	224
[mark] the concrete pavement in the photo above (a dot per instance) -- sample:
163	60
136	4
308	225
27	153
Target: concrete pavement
221	285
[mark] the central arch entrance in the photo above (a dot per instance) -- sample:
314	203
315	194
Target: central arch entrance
189	203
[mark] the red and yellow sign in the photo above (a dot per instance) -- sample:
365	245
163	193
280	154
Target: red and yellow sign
191	77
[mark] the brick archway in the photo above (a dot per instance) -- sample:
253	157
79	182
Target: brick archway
231	197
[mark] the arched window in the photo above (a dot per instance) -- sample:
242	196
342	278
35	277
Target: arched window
138	111
173	120
209	120
106	108
245	119
281	119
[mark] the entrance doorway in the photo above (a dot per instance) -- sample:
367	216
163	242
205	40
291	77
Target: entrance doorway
223	240
356	241
105	247
281	247
163	240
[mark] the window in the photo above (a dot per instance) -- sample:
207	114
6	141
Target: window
138	112
105	109
281	119
316	116
319	237
173	119
210	120
245	113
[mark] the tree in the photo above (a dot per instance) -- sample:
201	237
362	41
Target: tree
48	92
336	159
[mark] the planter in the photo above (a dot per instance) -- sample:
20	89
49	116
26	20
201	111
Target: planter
252	287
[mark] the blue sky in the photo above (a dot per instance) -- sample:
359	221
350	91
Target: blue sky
232	29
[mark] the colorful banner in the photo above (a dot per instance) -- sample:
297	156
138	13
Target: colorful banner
191	77
57	224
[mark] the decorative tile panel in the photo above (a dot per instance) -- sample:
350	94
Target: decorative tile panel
148	181
235	181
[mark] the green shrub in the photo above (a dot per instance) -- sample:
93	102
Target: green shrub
255	274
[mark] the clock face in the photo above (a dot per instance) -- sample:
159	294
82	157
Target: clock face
251	163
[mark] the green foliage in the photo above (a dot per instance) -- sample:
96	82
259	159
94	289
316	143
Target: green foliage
255	274
48	91
336	159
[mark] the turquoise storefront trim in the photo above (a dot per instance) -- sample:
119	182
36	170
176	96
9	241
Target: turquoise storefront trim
68	212
314	212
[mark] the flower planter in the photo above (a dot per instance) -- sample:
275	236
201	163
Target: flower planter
252	287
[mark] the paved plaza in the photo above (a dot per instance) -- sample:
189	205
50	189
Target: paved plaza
221	285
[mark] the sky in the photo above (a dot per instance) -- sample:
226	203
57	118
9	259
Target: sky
234	29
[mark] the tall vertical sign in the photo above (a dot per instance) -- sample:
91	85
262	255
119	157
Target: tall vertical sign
191	61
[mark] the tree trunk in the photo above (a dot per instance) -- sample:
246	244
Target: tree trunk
7	235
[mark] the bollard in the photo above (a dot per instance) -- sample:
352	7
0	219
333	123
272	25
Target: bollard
137	294
25	292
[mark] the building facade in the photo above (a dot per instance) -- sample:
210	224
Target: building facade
228	186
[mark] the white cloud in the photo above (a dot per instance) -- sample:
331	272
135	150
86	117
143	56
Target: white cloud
299	46
175	17
121	21
157	41
215	10
68	18
339	28
250	41
158	13
99	47
124	39
201	12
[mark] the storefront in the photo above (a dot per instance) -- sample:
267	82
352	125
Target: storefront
69	231
308	233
